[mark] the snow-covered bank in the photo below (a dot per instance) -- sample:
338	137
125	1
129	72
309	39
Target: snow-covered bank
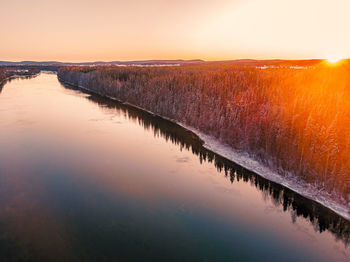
333	202
306	190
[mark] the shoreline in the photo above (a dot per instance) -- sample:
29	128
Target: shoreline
306	190
17	76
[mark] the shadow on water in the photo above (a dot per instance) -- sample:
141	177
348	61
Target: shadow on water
322	218
9	80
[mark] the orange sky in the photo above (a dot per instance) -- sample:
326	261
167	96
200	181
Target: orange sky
78	30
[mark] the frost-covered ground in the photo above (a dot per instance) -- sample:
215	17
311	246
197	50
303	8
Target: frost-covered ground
333	202
305	189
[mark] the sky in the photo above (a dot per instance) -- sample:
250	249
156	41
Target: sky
108	30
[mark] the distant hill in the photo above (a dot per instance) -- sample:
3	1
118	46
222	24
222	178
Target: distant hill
237	62
100	63
270	62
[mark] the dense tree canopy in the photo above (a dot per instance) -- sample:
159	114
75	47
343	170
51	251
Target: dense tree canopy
293	120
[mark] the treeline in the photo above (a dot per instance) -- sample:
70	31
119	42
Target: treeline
295	121
3	74
319	216
6	72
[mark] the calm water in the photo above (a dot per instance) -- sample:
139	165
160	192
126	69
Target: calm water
86	179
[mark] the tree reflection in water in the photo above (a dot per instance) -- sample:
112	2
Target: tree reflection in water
321	217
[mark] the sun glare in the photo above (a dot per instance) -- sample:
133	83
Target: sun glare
334	60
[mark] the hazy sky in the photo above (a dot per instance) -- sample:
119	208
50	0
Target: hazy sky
86	30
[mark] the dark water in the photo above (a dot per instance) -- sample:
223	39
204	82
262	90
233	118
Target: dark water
86	179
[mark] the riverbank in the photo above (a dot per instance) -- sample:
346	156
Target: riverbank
333	202
3	81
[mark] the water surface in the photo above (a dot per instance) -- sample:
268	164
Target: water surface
83	178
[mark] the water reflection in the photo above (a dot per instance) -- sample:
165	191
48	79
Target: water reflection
320	217
3	83
83	178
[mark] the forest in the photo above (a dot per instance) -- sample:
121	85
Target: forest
293	120
321	217
7	72
3	74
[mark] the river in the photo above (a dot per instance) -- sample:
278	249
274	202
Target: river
84	178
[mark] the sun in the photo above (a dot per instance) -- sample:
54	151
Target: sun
334	60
